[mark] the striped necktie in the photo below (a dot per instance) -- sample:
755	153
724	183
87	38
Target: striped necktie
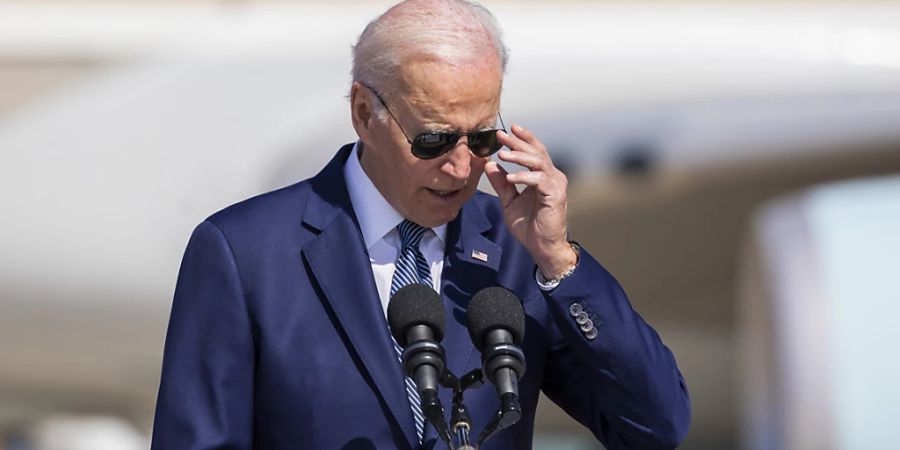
411	268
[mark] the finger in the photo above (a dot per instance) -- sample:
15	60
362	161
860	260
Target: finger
529	138
514	143
497	177
530	161
525	134
526	178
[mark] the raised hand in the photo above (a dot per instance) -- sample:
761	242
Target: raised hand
537	215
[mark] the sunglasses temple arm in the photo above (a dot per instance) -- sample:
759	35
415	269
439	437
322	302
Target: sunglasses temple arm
383	103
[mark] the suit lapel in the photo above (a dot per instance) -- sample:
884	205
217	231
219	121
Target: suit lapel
339	263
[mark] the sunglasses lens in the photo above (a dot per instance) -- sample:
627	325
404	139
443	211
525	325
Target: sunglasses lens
484	143
433	144
436	143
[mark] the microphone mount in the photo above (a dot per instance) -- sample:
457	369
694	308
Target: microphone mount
507	414
503	365
428	355
460	421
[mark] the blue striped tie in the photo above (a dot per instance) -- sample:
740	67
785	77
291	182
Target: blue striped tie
411	268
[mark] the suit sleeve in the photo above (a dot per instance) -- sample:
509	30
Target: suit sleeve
622	382
206	391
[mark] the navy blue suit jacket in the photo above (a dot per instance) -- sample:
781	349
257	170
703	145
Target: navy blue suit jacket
277	338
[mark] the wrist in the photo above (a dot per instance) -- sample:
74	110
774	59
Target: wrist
561	263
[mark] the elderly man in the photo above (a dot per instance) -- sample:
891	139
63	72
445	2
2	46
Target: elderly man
278	338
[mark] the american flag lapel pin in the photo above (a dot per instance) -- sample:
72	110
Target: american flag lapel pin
479	255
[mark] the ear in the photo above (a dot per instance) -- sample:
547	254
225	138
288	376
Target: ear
361	111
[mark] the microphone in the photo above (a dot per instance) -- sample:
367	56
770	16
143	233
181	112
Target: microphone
416	318
496	326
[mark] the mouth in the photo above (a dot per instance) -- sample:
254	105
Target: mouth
445	195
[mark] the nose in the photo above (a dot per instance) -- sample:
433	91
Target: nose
459	161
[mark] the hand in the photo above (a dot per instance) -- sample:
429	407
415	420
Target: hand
537	215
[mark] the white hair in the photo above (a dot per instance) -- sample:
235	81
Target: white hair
458	33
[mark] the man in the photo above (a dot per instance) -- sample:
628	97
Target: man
278	336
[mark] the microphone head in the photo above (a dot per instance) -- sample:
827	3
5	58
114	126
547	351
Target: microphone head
492	308
416	304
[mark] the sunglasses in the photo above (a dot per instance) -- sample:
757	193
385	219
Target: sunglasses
431	144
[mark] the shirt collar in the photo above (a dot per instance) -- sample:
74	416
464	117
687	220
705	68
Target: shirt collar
376	216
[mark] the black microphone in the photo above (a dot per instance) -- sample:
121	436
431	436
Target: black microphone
417	320
496	326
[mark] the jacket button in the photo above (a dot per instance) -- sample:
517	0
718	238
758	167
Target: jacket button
575	309
587	326
582	318
591	334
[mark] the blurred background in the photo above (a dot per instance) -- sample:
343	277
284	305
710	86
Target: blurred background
735	164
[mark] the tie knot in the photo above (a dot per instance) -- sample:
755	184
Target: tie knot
410	233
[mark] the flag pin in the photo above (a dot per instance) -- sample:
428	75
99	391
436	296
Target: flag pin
479	255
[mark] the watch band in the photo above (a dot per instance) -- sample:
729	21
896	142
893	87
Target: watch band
550	283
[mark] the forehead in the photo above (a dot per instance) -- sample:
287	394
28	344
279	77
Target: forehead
450	95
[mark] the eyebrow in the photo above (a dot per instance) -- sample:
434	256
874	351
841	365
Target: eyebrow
430	125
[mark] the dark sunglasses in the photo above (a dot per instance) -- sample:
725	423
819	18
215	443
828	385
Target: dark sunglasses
431	144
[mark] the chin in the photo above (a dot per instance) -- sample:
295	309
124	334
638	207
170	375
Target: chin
431	211
436	219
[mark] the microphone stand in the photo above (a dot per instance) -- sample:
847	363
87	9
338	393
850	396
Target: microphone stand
461	424
460	421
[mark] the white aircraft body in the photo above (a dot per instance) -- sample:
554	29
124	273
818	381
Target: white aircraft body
675	123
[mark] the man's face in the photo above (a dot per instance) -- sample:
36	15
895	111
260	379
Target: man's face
433	97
